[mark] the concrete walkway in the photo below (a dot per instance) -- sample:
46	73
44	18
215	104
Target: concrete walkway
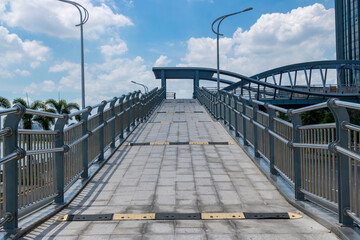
183	179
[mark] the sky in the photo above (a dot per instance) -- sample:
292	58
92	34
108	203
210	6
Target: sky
124	39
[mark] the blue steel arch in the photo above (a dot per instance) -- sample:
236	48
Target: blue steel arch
277	92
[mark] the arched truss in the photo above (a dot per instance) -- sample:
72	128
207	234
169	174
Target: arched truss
302	83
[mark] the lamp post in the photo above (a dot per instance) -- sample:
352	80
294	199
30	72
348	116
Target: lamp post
83	19
145	87
220	19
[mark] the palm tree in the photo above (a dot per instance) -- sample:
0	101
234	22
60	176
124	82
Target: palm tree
4	103
61	106
45	122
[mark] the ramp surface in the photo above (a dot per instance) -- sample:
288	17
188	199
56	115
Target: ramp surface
180	179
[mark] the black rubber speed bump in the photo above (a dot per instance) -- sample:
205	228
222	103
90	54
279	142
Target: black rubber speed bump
177	216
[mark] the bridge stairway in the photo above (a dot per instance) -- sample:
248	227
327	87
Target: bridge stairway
185	178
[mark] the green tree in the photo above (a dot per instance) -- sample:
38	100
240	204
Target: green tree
4	103
28	119
61	106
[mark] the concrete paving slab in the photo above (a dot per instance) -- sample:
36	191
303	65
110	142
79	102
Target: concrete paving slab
183	179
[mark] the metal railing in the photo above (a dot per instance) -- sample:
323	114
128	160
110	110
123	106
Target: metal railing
38	166
321	162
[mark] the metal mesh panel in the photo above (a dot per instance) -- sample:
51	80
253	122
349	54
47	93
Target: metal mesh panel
117	121
284	160
263	137
107	128
73	158
93	140
37	173
249	126
354	170
319	167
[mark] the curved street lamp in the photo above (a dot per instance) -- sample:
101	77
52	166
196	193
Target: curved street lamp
220	19
83	19
145	87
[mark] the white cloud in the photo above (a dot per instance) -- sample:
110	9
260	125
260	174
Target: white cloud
162	61
46	86
104	81
117	47
23	73
65	66
278	39
58	19
15	51
72	79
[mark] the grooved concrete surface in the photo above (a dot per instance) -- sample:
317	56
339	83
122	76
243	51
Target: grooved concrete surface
184	179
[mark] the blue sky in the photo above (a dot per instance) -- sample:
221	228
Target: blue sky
124	39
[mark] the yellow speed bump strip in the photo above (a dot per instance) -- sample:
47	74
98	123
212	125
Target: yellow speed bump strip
177	216
124	216
183	112
178	143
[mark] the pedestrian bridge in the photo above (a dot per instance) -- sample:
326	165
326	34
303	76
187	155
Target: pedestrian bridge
220	166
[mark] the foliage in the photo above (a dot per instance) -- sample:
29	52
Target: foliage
312	117
28	119
61	106
4	103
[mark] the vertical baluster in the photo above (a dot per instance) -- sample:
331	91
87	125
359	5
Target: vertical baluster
243	101
272	115
85	143
128	110
11	168
341	117
59	156
255	119
296	122
122	115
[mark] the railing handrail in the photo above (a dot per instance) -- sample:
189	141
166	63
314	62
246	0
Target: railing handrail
333	138
45	146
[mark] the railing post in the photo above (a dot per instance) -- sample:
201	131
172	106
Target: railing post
296	122
217	106
343	162
101	131
143	106
230	110
60	160
243	101
272	115
214	105
236	115
223	115
256	139
85	143
133	108
11	168
122	112
128	110
113	114
138	102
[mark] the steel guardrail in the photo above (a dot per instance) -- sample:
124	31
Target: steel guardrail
40	165
321	161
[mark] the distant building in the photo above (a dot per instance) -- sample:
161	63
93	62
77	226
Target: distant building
347	29
347	35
